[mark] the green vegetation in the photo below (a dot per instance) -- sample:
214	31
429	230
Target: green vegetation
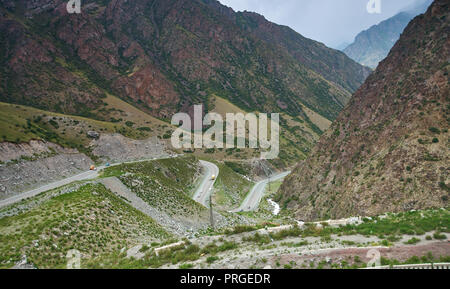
180	254
357	263
21	124
164	184
259	239
91	220
389	228
428	258
186	266
247	228
239	168
211	259
435	130
230	187
412	241
439	236
444	186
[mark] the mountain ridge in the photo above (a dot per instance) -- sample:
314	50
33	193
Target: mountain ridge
164	56
388	150
372	45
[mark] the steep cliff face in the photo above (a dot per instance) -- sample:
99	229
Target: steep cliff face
389	149
373	45
163	56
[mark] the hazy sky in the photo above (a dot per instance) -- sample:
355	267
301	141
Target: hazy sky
332	22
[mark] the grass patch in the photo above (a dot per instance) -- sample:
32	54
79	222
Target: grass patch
165	184
91	220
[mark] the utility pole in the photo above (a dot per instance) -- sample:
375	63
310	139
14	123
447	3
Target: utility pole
211	216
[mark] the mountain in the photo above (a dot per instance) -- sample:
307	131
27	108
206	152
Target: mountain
163	57
342	46
373	45
388	151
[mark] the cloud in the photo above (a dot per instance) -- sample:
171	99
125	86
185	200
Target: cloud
330	21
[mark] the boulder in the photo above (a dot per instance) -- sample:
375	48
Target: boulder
93	134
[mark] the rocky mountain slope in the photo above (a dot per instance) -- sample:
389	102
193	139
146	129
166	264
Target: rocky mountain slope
163	56
373	45
38	147
389	149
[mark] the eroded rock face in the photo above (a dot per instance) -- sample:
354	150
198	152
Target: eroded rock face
117	148
388	150
93	134
33	149
148	85
27	166
27	175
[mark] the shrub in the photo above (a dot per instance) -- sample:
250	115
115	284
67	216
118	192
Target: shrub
192	249
443	186
393	238
237	168
435	130
258	238
412	241
439	236
144	248
145	128
413	260
241	229
53	123
385	243
212	259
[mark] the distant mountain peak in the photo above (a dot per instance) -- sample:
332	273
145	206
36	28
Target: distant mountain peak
373	45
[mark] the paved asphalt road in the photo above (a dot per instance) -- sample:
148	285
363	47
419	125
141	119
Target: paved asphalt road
205	189
253	199
201	196
89	175
17	198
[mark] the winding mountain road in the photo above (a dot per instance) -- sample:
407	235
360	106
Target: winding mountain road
205	189
89	175
201	196
251	202
80	177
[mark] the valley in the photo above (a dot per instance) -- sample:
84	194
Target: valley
245	240
91	175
